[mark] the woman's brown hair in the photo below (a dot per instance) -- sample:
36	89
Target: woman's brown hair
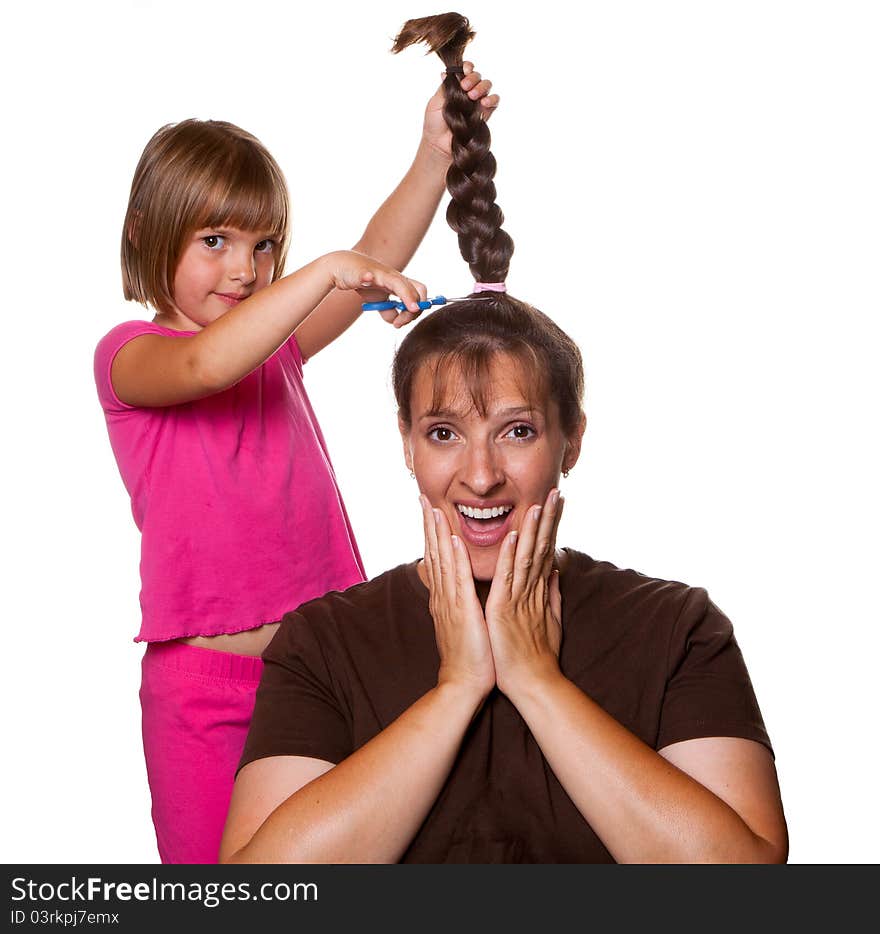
191	175
468	334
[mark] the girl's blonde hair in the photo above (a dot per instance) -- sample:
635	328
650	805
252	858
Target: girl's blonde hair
196	174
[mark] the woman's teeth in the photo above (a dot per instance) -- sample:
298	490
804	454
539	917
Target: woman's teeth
492	513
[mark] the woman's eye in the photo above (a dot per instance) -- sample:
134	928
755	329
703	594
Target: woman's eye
265	246
213	241
521	432
441	434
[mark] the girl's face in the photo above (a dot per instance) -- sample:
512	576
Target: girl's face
220	267
485	472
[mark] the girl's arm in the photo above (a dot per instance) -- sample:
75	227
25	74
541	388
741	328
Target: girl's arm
398	227
702	800
157	370
368	808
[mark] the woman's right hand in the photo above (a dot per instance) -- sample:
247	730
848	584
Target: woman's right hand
459	623
351	270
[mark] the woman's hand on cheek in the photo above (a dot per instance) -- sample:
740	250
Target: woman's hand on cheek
524	608
459	624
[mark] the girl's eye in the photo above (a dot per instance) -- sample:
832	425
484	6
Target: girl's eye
213	241
522	432
441	433
265	246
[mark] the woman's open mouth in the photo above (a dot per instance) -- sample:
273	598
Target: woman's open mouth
484	526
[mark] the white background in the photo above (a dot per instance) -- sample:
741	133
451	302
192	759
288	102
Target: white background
693	191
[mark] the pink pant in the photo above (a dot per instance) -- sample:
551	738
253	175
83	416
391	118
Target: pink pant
196	708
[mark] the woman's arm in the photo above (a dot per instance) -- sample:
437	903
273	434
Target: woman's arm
702	800
156	370
399	225
368	808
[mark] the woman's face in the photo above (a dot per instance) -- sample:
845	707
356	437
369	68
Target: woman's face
484	472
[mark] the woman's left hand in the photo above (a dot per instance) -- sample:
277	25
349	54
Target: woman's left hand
524	607
436	133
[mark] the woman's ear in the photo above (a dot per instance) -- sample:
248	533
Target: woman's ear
403	428
573	447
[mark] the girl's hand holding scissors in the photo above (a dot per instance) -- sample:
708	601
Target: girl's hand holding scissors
357	271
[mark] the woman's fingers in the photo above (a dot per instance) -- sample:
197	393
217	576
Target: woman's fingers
537	540
430	541
459	624
551	551
502	579
545	538
555	597
446	560
464	575
525	549
554	630
447	563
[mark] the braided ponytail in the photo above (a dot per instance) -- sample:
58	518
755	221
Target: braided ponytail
467	336
472	212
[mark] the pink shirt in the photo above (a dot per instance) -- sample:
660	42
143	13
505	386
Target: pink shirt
241	519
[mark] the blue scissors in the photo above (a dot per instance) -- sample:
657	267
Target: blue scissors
399	306
439	300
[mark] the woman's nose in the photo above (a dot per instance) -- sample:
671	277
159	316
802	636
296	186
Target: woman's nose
482	470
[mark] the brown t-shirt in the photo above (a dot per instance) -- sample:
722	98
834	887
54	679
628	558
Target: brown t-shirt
657	655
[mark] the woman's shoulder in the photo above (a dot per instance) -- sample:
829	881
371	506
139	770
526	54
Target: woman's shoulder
368	605
604	584
366	596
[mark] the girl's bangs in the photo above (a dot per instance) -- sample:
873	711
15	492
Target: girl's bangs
250	198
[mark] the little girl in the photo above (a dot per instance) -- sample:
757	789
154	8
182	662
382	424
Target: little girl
230	481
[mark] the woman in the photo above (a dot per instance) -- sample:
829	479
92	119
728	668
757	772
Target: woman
501	701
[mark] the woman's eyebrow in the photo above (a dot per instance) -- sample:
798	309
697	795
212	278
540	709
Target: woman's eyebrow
516	410
442	413
509	412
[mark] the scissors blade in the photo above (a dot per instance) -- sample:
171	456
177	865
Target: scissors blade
423	306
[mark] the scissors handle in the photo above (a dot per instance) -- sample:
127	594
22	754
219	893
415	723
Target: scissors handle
400	306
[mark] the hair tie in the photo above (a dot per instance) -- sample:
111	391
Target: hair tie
455	69
490	287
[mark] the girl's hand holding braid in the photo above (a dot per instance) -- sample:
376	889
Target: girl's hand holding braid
524	608
436	132
459	624
435	155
